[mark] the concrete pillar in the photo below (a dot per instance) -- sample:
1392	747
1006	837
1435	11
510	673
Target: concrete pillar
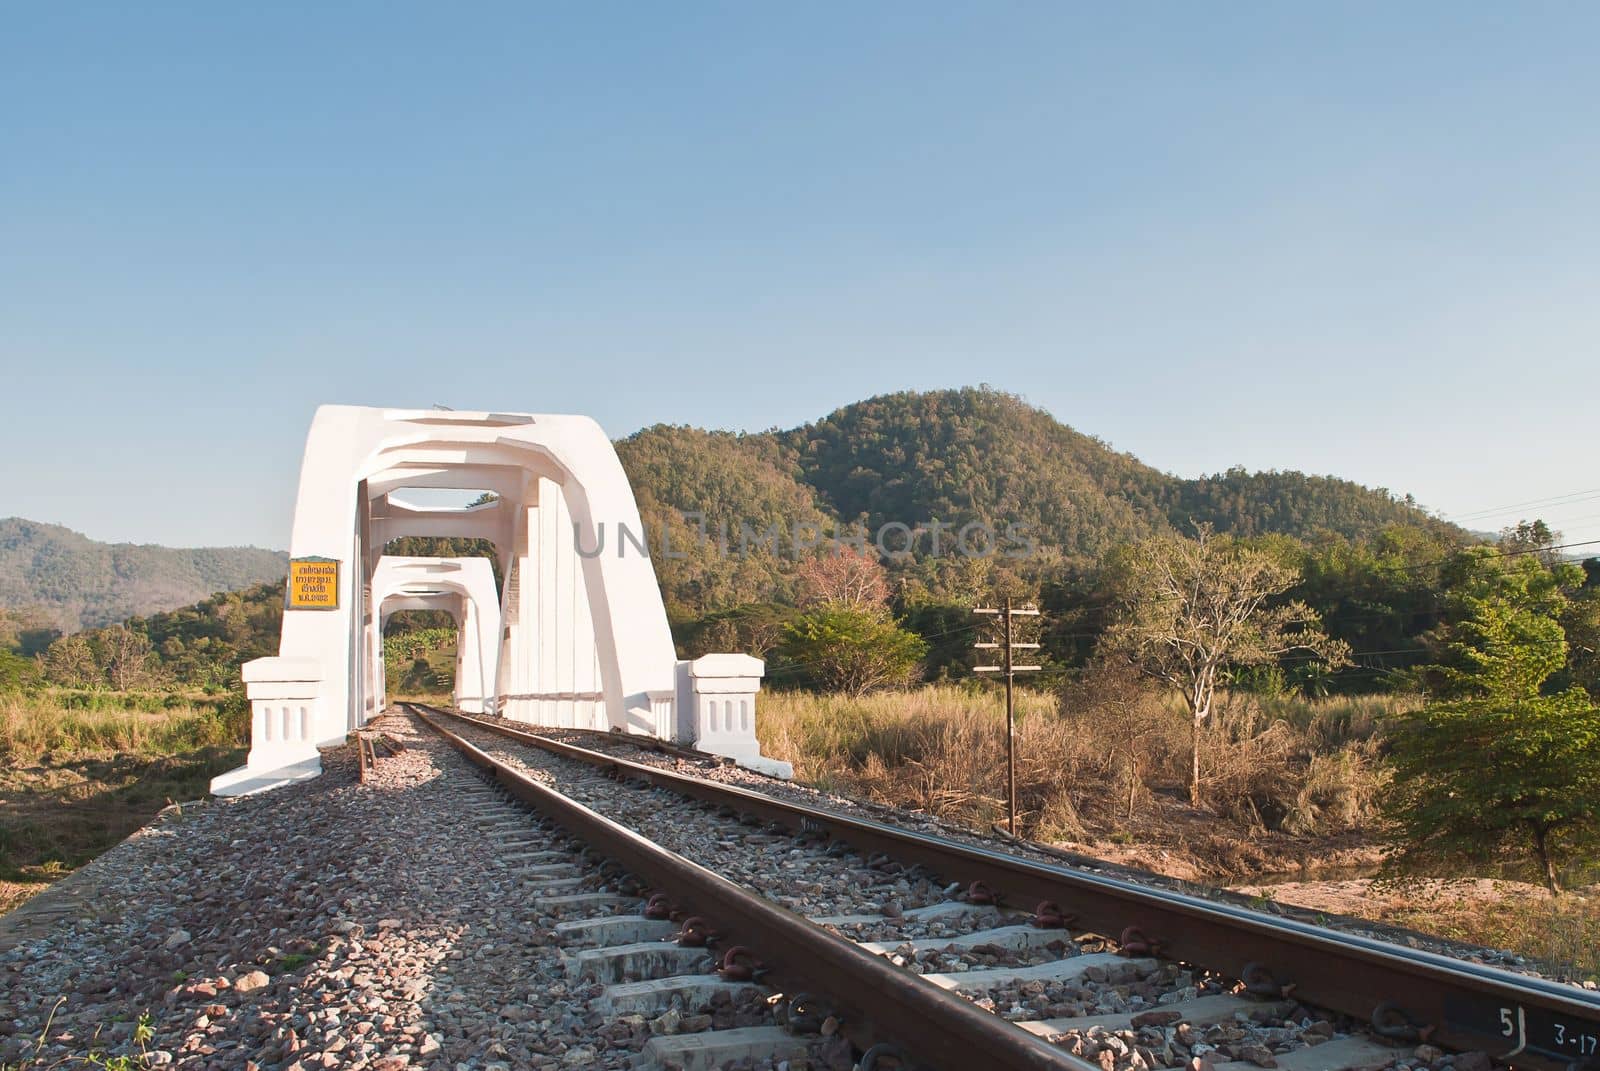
285	701
551	666
722	695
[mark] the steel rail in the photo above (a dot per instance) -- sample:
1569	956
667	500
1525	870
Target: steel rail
874	1000
1416	994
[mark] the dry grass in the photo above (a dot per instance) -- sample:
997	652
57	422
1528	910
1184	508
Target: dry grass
1300	766
1562	933
939	748
33	725
1293	766
80	774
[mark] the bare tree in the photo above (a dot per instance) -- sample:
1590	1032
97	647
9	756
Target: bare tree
127	657
849	578
1123	705
1189	608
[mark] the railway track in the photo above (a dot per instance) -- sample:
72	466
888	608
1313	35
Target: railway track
879	946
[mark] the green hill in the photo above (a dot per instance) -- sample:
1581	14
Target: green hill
81	583
1293	503
730	484
982	455
956	456
978	455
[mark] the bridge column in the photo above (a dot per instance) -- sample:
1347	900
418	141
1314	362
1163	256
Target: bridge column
549	663
472	672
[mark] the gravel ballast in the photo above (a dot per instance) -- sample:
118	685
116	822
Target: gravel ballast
404	922
326	924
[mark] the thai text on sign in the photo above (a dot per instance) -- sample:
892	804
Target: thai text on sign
313	584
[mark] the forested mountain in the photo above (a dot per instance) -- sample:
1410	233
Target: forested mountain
733	486
973	454
81	583
1292	503
957	456
977	454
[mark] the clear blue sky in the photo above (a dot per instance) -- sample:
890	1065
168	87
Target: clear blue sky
1360	239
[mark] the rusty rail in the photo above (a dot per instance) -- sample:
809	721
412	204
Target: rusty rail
1408	994
364	760
875	1001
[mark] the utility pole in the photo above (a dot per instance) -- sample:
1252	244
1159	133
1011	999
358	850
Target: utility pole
1009	667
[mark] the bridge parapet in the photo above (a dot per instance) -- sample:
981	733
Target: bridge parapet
285	697
722	709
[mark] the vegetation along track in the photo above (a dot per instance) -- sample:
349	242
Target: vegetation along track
1017	970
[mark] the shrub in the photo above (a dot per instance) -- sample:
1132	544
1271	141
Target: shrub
850	650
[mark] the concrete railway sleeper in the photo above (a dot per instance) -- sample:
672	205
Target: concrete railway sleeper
1113	1003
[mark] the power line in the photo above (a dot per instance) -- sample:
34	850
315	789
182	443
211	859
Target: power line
1533	502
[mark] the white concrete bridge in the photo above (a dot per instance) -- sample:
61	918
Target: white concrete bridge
577	637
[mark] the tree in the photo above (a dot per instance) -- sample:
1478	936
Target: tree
1113	692
751	628
1379	595
128	658
26	631
846	577
1502	633
17	674
852	651
1581	622
1190	608
1483	781
1534	538
71	661
1497	771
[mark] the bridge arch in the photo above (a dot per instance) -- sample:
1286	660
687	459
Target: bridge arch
462	587
582	638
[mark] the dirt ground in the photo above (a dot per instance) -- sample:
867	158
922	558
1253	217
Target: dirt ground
62	810
1559	934
1335	875
1169	837
1368	899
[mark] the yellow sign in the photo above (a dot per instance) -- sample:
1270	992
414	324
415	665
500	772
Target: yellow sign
313	584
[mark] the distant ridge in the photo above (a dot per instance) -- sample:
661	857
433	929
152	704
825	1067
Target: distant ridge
82	583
